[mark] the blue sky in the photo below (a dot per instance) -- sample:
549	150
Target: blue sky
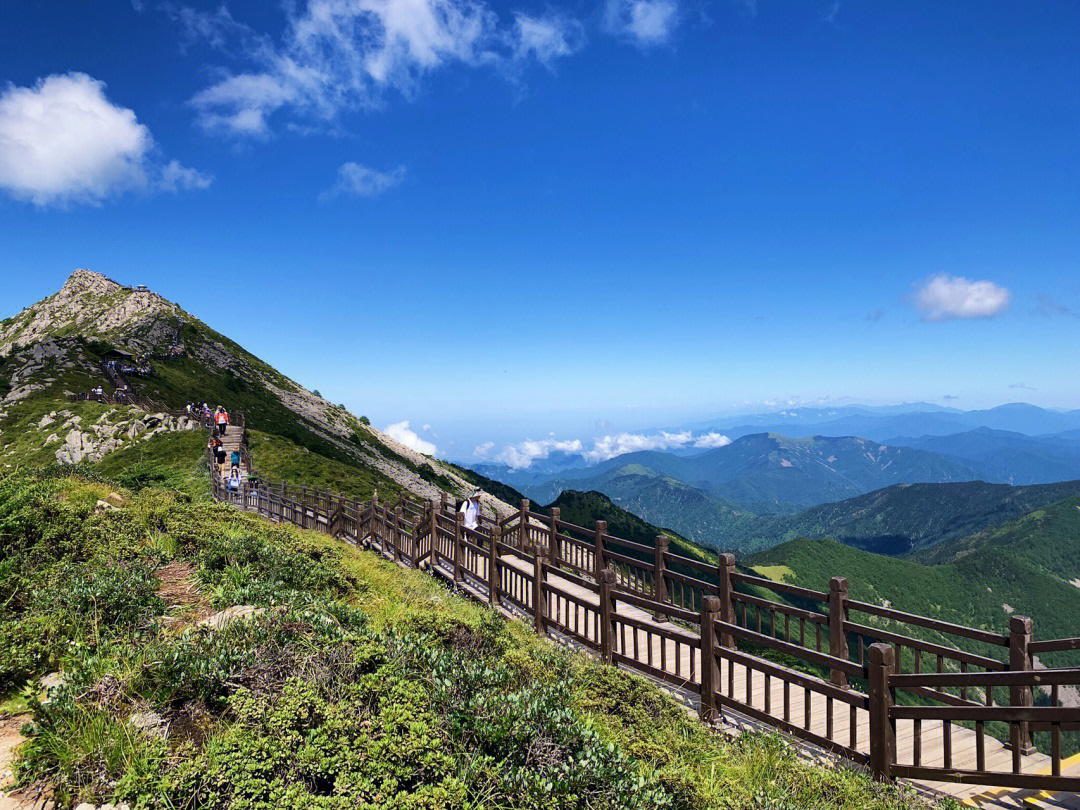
511	219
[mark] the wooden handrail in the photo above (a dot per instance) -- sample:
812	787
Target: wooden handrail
480	562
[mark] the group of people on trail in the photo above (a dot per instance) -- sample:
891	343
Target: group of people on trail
219	417
139	370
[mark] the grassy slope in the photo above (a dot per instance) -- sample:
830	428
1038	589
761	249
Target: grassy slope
278	459
367	685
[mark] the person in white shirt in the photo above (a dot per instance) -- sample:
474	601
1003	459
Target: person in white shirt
470	509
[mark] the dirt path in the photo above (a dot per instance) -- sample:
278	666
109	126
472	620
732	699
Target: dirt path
10	738
184	603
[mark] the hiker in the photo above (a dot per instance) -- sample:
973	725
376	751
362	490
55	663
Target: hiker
234	479
221	418
234	458
219	453
470	508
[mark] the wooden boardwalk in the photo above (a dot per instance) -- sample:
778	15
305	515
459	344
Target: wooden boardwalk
804	708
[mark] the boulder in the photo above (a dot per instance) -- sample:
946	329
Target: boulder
150	723
230	615
50	684
116	499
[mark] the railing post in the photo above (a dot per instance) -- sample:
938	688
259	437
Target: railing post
396	534
459	548
539	595
442	502
553	540
523	525
607	628
838	615
433	540
598	549
659	582
493	565
724	569
711	608
882	726
373	519
1020	629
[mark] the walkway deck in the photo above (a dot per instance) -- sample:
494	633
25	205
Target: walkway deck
642	646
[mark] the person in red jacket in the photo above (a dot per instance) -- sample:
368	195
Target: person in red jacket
222	420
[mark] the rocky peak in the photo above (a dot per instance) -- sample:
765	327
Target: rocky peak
95	305
83	282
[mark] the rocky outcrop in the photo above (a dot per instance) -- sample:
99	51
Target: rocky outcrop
113	430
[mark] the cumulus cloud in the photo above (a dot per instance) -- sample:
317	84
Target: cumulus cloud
711	440
944	298
646	23
175	177
545	38
62	141
362	181
401	432
621	443
481	450
340	55
521	456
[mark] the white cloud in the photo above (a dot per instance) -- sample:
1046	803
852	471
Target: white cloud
212	27
400	432
481	450
546	38
610	446
62	141
645	22
521	456
944	298
711	440
362	181
339	55
175	177
1022	386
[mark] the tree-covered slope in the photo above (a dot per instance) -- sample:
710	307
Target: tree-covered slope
585	508
1027	566
903	518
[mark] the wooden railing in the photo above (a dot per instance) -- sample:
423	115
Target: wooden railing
803	661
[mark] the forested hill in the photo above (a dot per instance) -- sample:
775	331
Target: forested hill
903	518
1029	566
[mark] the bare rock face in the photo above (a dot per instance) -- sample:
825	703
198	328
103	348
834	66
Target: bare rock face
91	303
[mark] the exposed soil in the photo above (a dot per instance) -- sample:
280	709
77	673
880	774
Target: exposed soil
31	798
184	603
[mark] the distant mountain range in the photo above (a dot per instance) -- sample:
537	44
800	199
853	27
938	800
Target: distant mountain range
1012	457
879	423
